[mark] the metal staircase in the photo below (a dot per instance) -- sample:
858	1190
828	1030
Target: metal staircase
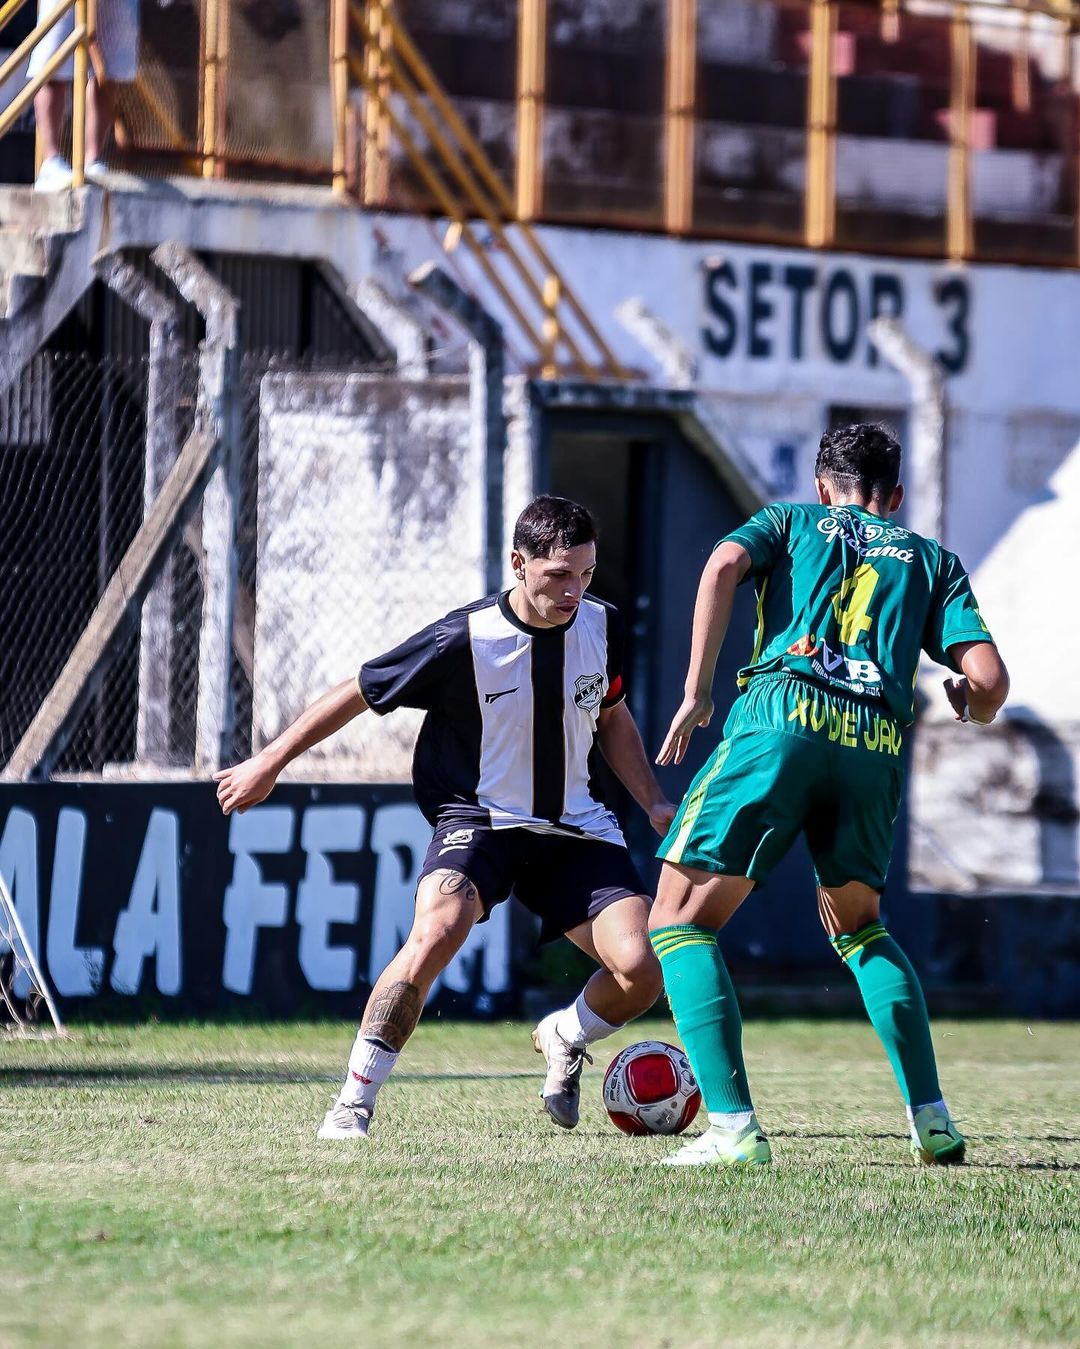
372	50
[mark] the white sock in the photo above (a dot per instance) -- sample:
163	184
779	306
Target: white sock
939	1106
579	1025
369	1067
734	1121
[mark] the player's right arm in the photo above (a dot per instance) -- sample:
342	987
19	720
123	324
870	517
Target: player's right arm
726	567
980	693
407	676
248	783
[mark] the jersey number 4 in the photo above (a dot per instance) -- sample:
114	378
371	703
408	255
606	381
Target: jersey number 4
851	604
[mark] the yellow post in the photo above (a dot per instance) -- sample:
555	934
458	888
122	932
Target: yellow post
78	98
208	101
224	37
1021	71
890	20
550	331
959	227
679	115
378	35
531	82
339	90
820	199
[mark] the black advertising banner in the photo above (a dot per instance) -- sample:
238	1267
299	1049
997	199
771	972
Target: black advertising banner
145	895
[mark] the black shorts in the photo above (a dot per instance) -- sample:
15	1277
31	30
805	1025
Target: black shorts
565	880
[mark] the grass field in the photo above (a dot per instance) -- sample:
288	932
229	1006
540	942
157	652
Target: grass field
162	1186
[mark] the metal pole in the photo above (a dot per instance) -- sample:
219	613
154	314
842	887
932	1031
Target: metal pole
679	123
531	82
339	89
486	370
208	101
959	231
78	99
928	421
30	954
820	204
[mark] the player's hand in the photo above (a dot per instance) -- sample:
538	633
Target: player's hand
661	815
693	713
956	690
958	693
245	785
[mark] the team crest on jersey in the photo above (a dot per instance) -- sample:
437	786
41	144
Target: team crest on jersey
588	691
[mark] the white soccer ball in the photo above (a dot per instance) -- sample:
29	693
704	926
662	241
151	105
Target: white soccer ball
650	1089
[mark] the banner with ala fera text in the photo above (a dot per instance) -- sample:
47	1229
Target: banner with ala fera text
144	895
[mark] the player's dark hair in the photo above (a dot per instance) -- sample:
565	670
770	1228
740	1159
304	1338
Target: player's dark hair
863	459
548	523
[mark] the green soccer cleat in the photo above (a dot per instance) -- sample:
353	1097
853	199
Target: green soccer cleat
724	1147
935	1139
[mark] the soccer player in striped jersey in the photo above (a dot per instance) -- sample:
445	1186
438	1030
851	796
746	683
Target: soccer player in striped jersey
517	688
813	744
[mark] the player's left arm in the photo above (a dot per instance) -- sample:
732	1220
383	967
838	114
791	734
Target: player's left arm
726	567
620	744
980	692
956	635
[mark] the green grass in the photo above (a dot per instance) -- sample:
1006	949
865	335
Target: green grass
162	1185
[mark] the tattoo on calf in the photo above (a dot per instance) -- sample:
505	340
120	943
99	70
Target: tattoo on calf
393	1015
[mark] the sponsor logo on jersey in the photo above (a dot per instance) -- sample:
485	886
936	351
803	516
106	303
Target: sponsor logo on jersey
841	726
456	839
864	537
588	691
854	676
857	676
500	693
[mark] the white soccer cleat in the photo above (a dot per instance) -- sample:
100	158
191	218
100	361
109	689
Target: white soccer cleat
561	1093
345	1121
724	1147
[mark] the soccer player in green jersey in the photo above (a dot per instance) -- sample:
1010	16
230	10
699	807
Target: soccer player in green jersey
845	603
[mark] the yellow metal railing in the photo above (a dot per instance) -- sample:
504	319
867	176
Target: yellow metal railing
77	42
371	48
406	136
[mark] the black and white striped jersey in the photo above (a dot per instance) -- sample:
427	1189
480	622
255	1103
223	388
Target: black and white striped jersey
511	712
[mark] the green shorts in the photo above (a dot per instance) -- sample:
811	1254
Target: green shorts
794	758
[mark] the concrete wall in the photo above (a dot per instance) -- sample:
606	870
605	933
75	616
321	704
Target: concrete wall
370	527
779	340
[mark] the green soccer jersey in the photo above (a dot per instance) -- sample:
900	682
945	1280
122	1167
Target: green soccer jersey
847	600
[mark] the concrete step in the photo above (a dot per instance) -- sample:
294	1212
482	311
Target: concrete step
22	253
21	208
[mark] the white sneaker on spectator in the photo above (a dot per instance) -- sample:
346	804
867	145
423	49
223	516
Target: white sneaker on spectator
96	169
54	175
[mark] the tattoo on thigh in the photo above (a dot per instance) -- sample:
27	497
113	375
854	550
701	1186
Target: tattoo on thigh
454	883
393	1015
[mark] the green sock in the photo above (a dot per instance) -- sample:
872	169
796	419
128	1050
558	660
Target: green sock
894	1001
706	1013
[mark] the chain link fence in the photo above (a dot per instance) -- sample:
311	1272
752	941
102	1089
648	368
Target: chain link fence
346	513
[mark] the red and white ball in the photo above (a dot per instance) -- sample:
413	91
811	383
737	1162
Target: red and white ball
650	1089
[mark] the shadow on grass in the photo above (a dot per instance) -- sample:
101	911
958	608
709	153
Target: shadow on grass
211	1074
901	1165
972	1138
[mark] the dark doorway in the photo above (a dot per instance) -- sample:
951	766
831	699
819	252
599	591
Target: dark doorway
662	506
